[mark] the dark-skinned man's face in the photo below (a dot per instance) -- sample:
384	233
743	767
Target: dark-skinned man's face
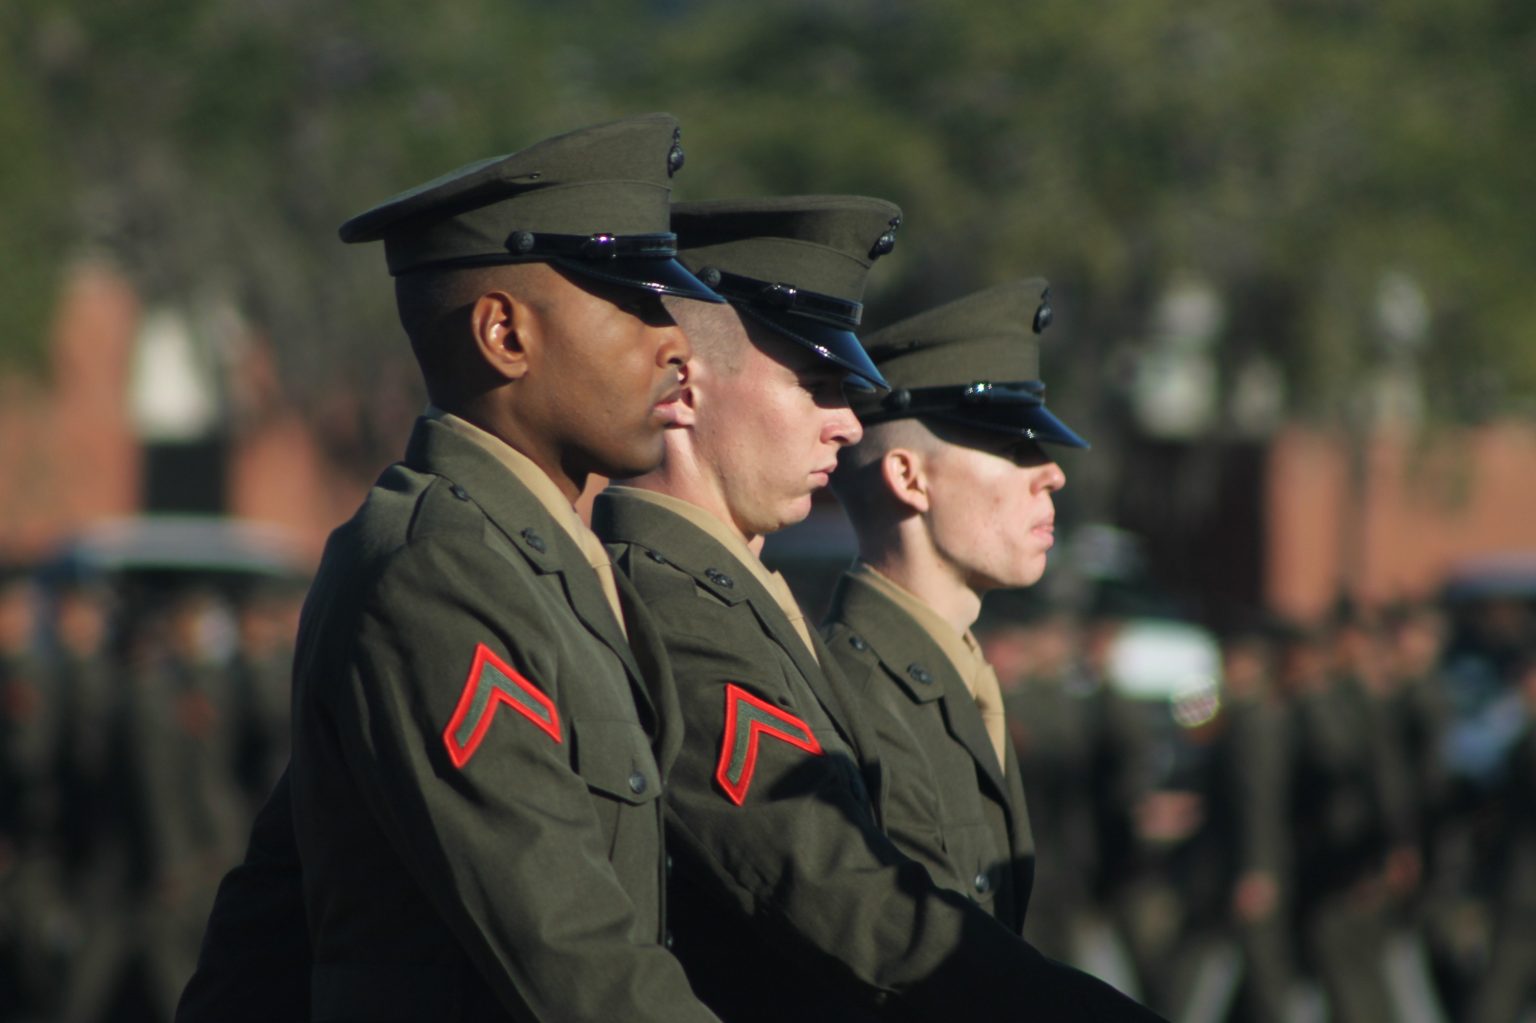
609	366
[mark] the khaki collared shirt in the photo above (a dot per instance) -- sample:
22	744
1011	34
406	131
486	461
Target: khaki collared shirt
963	651
773	582
544	490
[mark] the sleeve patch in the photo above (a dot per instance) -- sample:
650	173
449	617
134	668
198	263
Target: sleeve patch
747	718
493	683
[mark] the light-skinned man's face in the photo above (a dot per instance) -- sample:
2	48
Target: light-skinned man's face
991	515
769	417
611	358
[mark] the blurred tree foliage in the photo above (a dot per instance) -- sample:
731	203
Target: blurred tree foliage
1291	153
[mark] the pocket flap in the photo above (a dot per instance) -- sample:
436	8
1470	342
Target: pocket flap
615	758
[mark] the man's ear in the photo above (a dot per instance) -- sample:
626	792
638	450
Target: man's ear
505	330
905	476
686	408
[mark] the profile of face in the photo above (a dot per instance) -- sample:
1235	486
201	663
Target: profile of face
605	363
768	418
986	500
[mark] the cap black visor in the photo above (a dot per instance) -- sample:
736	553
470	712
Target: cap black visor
661	275
1034	422
835	345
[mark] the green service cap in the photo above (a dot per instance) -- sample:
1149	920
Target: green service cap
592	201
974	361
795	264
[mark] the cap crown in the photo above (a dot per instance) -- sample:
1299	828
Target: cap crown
973	362
608	179
989	335
820	243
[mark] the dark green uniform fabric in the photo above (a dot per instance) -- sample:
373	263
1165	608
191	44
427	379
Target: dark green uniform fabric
526	884
1254	761
28	808
793	904
1348	808
1054	729
1507	990
254	964
950	805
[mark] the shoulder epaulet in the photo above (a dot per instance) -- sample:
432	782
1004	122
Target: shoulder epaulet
444	506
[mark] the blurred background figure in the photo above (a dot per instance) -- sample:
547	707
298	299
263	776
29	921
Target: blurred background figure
267	621
1235	952
178	817
1051	714
1506	991
93	847
1347	815
28	804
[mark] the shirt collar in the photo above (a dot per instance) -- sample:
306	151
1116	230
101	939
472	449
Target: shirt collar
961	648
724	535
525	469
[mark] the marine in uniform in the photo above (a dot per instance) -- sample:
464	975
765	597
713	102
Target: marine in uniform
479	748
1253	771
950	493
788	898
28	802
1347	815
1051	708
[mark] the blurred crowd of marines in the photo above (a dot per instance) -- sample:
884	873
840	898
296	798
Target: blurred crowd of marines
142	726
1317	836
1305	839
1270	829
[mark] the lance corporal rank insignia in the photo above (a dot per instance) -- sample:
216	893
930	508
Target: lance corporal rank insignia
747	718
493	682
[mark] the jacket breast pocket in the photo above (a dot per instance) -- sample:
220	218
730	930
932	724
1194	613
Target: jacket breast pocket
614	758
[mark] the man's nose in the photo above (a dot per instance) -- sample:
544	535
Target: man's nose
675	348
1054	477
843	427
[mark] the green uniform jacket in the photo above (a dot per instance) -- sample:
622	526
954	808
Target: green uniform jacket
478	755
1348	790
254	965
788	901
949	805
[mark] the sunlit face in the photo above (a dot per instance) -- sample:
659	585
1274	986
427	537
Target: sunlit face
991	516
612	358
769	428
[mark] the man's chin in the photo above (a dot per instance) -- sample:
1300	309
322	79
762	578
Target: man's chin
791	514
637	462
1025	575
1008	578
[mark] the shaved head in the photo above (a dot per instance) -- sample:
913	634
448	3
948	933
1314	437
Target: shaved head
858	483
715	332
434	307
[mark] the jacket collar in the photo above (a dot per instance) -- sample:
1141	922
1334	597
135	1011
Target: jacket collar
621	517
525	523
915	663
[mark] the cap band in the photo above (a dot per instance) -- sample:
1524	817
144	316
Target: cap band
784	297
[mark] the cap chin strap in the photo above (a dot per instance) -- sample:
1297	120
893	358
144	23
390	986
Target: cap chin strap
837	312
914	402
530	246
